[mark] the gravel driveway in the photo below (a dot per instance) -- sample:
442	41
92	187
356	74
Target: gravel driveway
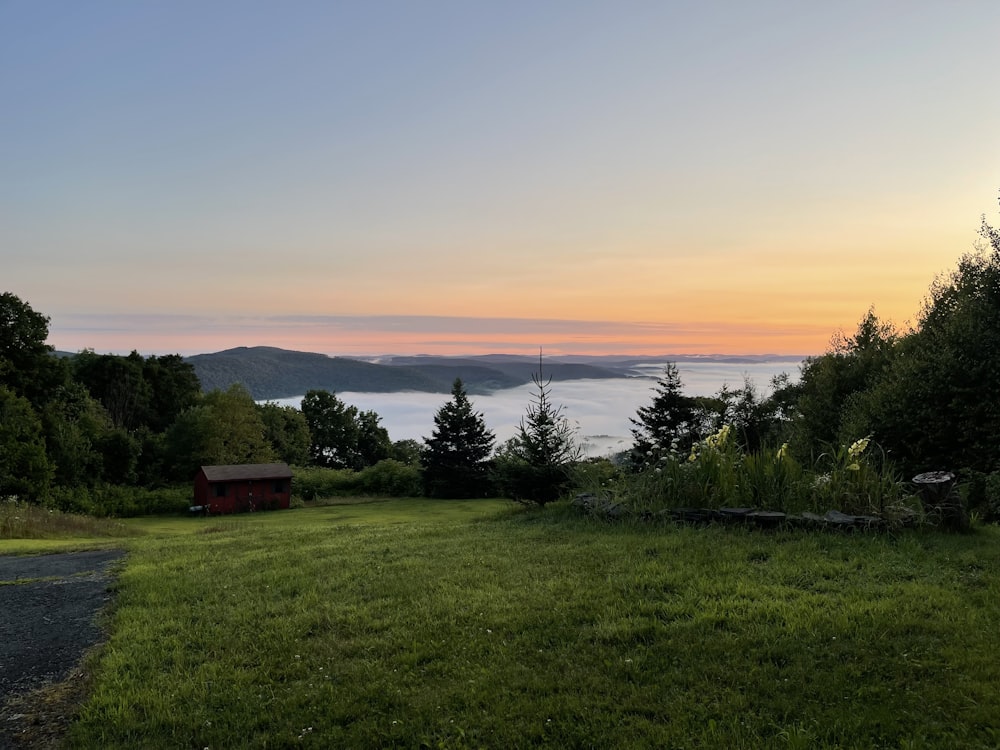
48	619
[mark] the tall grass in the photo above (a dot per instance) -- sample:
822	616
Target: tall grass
20	520
331	627
717	474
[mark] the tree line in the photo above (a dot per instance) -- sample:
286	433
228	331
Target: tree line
927	396
93	420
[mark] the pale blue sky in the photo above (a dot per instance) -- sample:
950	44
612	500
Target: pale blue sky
759	173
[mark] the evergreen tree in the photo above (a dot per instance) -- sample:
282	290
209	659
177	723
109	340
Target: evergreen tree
533	466
666	424
455	461
937	405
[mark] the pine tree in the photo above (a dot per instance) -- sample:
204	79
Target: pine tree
534	464
666	424
456	460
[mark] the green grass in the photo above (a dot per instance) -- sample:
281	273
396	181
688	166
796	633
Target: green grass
27	529
417	623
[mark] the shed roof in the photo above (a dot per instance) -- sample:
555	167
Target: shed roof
246	471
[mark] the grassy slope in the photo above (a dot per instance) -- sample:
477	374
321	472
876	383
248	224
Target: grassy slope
422	623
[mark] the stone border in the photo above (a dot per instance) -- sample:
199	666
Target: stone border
832	520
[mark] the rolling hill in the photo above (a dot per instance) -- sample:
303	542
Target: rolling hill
270	373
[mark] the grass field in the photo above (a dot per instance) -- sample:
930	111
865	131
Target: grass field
419	623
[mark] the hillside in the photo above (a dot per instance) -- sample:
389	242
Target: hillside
270	373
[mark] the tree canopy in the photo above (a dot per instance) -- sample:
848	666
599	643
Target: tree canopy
533	466
668	423
455	461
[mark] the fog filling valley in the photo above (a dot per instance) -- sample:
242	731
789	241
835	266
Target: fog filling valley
599	410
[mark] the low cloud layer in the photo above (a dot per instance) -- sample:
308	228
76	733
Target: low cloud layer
598	409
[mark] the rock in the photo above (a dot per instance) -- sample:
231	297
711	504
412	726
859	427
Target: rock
767	519
941	500
734	515
688	515
839	520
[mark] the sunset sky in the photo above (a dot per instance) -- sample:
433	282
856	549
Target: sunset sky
454	177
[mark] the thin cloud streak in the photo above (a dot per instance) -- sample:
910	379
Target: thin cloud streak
377	335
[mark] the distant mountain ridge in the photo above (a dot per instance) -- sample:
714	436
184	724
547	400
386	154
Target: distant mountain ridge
271	373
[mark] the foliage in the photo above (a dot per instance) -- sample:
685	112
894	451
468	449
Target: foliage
938	406
455	461
668	422
25	470
982	494
116	501
75	426
286	429
364	625
831	383
120	452
533	466
390	478
116	382
387	478
136	392
173	387
374	444
311	483
341	436
853	479
407	451
718	473
27	366
756	421
224	428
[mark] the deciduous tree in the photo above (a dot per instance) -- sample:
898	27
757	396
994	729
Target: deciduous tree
27	364
288	432
224	428
25	470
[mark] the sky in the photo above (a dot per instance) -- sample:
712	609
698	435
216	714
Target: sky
454	177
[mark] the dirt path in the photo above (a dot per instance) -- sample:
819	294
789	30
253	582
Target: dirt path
48	619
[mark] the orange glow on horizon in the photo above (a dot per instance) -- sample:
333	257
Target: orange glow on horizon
695	339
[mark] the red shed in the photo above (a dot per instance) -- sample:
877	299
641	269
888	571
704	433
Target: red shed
242	487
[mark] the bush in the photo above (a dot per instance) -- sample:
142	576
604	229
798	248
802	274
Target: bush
119	502
982	494
390	478
316	482
528	483
387	478
717	474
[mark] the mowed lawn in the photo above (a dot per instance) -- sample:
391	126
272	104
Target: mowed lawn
418	623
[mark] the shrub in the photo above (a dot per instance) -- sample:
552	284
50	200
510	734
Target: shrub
852	479
529	483
982	494
316	482
390	478
119	502
387	478
717	473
